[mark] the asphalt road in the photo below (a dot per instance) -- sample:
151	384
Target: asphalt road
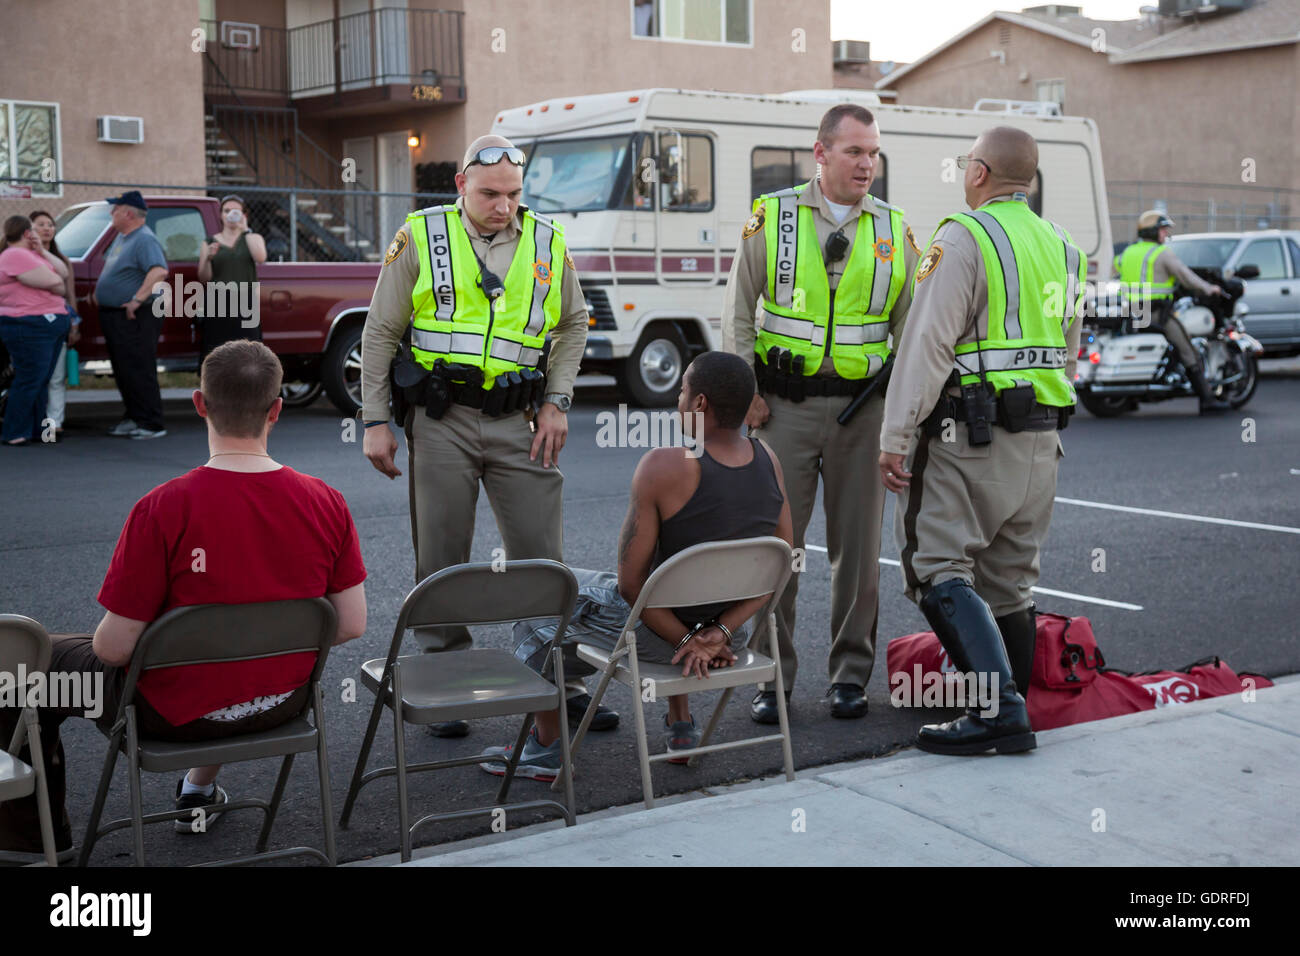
1173	590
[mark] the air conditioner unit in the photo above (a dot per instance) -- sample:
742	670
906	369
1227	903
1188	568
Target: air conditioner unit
120	129
852	51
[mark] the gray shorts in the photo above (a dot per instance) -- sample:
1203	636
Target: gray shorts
598	620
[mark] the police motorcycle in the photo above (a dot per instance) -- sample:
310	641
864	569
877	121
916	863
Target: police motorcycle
1124	361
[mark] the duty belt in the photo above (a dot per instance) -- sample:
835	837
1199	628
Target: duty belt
783	377
445	384
1034	417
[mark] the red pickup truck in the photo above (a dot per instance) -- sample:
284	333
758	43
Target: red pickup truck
311	313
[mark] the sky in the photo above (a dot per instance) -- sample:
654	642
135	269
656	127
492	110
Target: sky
904	31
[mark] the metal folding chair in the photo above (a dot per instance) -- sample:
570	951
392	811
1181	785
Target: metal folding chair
707	573
211	633
472	684
25	650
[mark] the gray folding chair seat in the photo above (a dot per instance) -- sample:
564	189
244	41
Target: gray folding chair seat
470	684
210	633
434	690
708	573
25	644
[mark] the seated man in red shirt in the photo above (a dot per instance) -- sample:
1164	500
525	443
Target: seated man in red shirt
239	529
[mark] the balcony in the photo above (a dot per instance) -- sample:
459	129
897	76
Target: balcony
373	62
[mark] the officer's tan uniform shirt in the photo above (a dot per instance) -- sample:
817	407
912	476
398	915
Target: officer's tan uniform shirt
390	314
950	308
748	279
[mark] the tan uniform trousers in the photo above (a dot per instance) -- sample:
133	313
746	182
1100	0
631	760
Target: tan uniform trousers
808	442
447	460
979	514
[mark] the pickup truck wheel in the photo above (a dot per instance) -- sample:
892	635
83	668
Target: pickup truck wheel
341	371
300	394
652	375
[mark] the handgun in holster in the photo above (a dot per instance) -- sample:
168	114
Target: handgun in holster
437	391
797	392
781	373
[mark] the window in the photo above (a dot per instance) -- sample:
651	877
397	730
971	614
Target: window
180	231
1295	257
77	228
29	146
772	168
1202	253
1051	91
574	175
1267	254
685	172
697	21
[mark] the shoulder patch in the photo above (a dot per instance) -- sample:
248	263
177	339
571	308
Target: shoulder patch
396	247
568	259
911	241
754	223
929	262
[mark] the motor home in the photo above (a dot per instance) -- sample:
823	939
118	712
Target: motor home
653	188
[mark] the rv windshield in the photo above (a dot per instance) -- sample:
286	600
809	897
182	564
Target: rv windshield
574	175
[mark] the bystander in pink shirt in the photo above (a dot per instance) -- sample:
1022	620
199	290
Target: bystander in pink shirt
18	299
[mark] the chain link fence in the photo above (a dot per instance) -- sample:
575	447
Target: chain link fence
298	224
1202	207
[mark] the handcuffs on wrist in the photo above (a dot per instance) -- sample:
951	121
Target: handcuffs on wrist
701	626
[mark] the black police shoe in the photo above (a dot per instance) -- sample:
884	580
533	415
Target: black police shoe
450	728
602	719
848	700
762	710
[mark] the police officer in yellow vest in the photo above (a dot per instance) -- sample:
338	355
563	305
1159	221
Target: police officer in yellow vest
479	286
969	444
1148	270
821	280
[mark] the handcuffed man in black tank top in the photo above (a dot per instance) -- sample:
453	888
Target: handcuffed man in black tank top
733	490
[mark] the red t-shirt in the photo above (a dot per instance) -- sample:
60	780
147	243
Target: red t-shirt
224	537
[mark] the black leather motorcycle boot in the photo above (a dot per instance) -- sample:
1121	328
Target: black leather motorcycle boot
966	628
1209	401
1019	635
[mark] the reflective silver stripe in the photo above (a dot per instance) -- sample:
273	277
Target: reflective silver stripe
441	273
881	272
1143	276
465	343
861	334
508	351
804	329
787	247
1006	360
542	233
1010	274
1072	278
874	364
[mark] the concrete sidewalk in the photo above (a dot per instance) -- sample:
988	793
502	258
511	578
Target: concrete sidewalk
1210	783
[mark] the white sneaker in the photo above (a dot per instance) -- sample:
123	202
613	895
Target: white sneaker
144	433
123	429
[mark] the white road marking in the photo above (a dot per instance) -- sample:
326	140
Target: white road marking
1184	517
1087	599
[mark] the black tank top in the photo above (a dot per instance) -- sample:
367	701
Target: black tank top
730	503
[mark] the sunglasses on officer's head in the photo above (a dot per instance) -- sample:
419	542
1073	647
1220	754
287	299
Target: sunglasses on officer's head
491	155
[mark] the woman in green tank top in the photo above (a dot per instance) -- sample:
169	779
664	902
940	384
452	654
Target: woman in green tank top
231	256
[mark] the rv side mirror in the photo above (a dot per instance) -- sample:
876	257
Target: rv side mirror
1246	272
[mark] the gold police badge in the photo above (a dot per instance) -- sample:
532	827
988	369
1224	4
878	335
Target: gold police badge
568	259
754	223
929	262
395	247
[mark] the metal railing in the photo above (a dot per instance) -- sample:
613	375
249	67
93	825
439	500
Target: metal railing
373	48
295	222
1202	207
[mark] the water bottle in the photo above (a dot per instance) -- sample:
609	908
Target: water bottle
74	368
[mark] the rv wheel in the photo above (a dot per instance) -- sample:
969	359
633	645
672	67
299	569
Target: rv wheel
652	375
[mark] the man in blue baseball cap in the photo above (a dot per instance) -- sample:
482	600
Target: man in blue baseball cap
133	264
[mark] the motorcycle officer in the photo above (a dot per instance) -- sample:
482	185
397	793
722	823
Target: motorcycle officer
1148	270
